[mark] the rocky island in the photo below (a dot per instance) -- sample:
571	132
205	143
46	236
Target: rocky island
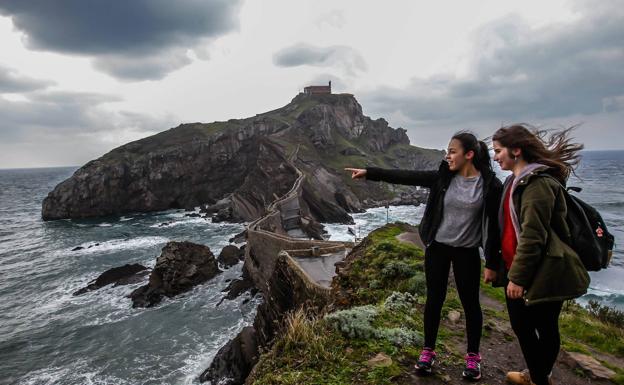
234	169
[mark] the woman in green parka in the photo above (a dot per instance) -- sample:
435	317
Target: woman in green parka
538	267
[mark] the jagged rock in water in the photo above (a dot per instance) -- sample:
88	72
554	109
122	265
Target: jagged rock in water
239	238
223	166
234	361
230	255
121	275
238	286
312	228
180	266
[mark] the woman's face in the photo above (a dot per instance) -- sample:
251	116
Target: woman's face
455	155
503	156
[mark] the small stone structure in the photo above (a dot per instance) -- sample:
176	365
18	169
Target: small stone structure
316	90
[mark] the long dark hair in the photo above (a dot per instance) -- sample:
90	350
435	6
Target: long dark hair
469	142
552	148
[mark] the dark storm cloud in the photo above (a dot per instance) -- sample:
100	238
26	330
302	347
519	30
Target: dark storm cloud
12	82
519	72
333	56
139	39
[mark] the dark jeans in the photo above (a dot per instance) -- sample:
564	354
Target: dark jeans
537	329
467	271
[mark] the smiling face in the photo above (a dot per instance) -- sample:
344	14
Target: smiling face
504	156
456	157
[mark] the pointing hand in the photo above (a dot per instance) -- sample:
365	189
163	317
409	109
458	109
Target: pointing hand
357	173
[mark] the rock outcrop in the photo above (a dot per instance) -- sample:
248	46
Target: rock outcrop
230	255
224	166
121	275
235	360
588	364
286	292
180	266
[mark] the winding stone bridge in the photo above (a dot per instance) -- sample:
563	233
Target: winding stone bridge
278	234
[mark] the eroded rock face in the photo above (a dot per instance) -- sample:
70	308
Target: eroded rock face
235	360
231	255
121	275
225	166
180	266
286	292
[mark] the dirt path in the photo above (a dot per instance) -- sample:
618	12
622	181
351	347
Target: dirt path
500	352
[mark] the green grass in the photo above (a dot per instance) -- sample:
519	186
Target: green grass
579	327
496	293
387	262
312	352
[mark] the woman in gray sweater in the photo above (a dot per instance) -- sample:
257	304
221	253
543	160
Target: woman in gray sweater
461	215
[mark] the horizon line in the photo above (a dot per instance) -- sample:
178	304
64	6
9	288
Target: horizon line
42	167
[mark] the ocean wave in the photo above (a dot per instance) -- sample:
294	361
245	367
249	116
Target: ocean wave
609	205
79	372
372	219
182	221
116	244
195	364
606	298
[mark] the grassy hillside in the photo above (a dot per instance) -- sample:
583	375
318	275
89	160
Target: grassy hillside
373	334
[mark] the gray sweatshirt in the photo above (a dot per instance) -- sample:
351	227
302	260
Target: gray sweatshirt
461	219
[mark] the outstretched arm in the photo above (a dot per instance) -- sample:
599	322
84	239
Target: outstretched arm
407	177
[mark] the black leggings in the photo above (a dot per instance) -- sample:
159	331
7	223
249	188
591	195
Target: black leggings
467	271
537	329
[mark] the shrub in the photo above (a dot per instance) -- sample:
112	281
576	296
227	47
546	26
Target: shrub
416	285
355	322
397	269
401	336
384	246
606	314
398	301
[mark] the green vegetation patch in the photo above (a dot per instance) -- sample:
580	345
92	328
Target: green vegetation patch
581	326
385	265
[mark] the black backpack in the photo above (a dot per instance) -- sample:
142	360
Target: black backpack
589	236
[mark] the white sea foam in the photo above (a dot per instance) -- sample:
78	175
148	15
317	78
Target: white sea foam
373	218
182	221
117	244
78	372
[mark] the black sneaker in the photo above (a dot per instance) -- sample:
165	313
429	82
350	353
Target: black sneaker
473	367
426	360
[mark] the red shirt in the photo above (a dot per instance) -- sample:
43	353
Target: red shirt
509	241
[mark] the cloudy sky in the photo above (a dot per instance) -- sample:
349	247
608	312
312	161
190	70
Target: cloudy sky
81	77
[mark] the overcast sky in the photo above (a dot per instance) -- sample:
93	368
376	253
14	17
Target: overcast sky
81	77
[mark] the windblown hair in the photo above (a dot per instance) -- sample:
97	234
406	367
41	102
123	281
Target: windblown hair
551	148
469	142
